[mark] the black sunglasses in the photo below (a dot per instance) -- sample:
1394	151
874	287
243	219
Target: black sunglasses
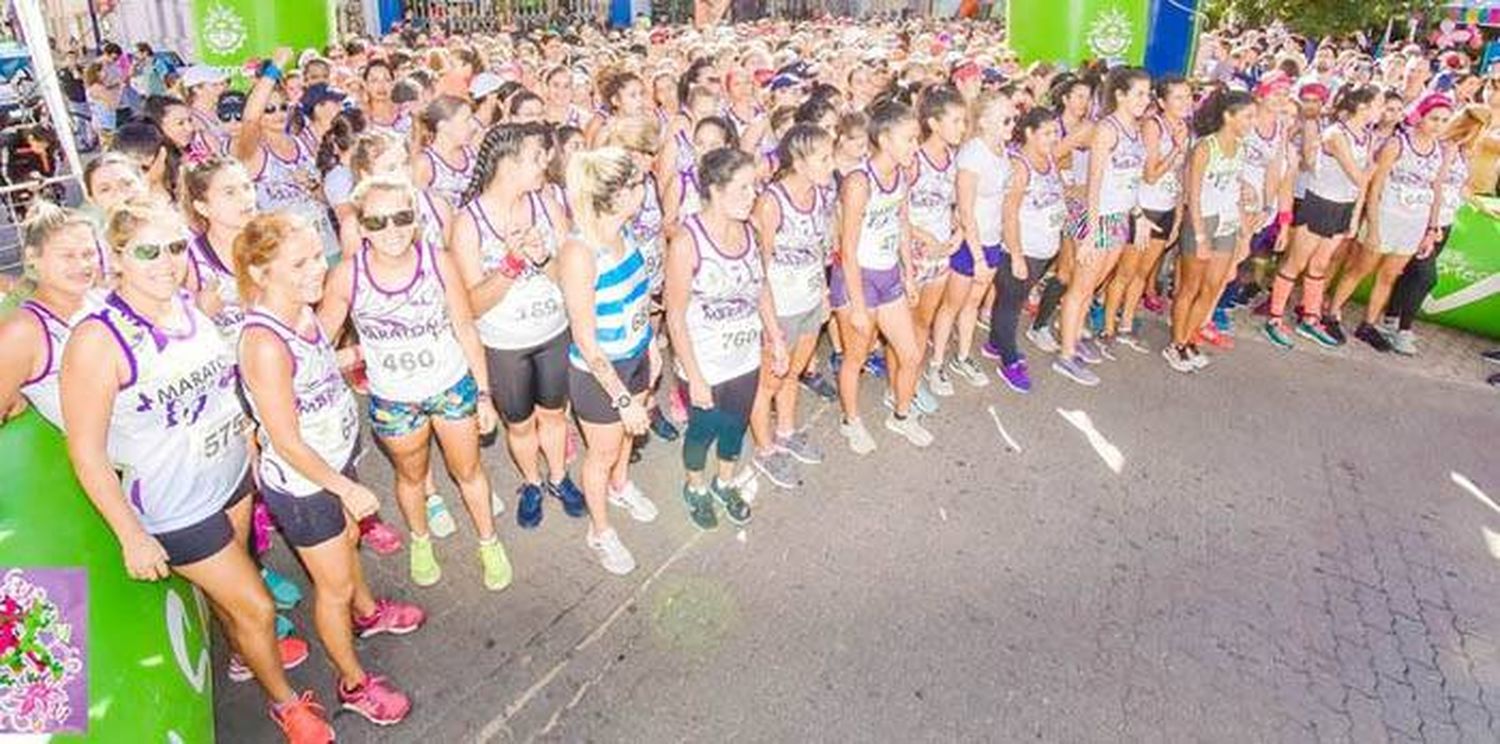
378	222
277	108
153	251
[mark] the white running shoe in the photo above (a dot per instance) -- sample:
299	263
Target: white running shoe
613	555
439	519
497	504
910	428
938	381
859	437
632	500
1043	339
967	369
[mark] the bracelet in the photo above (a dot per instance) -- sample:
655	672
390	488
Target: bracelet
270	70
512	267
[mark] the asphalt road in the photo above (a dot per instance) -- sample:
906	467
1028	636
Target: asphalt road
1284	554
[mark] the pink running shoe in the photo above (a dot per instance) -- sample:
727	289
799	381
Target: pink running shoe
1214	337
261	527
377	700
378	536
293	653
1154	303
390	616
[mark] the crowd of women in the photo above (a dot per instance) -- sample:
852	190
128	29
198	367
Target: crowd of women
646	235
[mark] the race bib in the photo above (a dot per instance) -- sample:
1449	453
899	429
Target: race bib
1413	197
739	336
218	438
406	361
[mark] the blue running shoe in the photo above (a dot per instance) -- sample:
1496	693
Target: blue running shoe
284	627
284	591
819	385
1096	317
1222	320
835	360
529	511
661	427
571	498
875	365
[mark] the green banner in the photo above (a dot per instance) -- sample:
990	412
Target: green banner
228	32
139	649
1467	295
1072	31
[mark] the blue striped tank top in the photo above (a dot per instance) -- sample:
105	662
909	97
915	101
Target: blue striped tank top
622	304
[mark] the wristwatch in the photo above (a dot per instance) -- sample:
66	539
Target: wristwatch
621	403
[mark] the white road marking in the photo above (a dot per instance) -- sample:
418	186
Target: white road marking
1113	458
1462	481
1473	293
1010	441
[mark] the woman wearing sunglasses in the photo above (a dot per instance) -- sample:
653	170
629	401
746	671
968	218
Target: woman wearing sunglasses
503	245
61	254
309	441
607	293
283	167
425	364
148	391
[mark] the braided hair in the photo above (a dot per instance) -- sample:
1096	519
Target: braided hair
502	142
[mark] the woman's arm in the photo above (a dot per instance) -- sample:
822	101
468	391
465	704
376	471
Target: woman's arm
246	146
765	218
485	292
682	256
338	293
578	276
967	194
1197	169
21	337
853	196
1156	165
461	315
1010	216
1099	152
1378	180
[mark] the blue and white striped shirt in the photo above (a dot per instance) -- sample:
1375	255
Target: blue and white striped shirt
622	301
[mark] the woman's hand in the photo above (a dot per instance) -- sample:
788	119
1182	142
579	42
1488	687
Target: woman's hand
145	558
359	501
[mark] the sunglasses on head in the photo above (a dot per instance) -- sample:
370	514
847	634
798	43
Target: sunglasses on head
378	222
277	108
153	251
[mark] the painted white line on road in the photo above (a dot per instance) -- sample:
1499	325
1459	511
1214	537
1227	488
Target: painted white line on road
1462	481
1010	441
1113	458
1491	541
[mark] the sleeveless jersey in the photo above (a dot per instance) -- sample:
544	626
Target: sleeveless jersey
688	201
880	226
1166	192
207	266
644	233
327	415
1220	196
1042	212
1410	187
934	192
1329	180
277	188
622	307
800	251
531	311
723	313
1259	152
210	139
1453	188
175	433
1120	189
449	181
41	391
405	333
430	219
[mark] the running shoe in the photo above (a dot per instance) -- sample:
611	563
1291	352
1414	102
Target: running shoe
910	428
965	368
835	360
261	527
820	386
1089	351
700	507
1403	342
1493	380
630	498
1492	356
1133	342
982	321
378	536
1221	320
1372	336
293	652
1076	370
529	506
1177	358
859	437
1335	330
728	496
390	618
1276	333
424	566
800	447
571	497
284	626
284	591
924	400
494	565
1096	316
1214	337
302	720
661	427
938	380
1388	324
875	365
497	504
1311	329
1197	357
611	552
1106	346
1042	339
778	467
376	700
1263	308
989	351
1153	303
1015	375
439	519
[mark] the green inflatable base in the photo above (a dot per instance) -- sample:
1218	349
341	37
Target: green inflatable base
145	653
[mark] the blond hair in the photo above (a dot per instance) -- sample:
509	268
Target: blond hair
374	184
125	220
1467	124
635	133
596	178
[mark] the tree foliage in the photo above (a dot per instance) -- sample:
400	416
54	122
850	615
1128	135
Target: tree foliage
1318	18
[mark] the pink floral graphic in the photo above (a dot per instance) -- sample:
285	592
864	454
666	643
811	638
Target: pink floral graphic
40	661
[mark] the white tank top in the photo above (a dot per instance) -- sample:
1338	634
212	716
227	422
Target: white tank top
934	191
327	415
41	390
643	232
277	188
1120	190
1259	152
1329	180
799	252
431	220
450	181
688	202
880	226
1078	172
723	313
1411	184
405	333
1453	188
1166	192
1221	184
176	431
531	312
208	267
1042	212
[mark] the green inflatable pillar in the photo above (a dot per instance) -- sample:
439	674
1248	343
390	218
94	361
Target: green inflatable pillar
232	31
86	653
1071	31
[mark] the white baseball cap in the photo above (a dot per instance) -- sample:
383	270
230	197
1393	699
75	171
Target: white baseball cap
202	74
484	84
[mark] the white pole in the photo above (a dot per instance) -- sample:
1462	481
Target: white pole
34	32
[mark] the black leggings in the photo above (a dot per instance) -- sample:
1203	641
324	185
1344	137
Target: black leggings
1416	281
1010	296
1052	292
726	422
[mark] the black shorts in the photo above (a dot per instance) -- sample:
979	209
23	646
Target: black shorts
1297	211
188	545
1325	218
523	379
1161	222
311	520
594	406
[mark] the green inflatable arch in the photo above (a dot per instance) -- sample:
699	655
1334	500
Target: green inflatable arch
87	654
